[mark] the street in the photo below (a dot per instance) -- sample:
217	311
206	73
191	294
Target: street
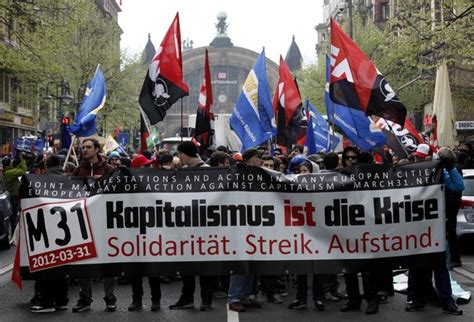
15	304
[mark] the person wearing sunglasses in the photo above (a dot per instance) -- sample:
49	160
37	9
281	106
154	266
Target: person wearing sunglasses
350	156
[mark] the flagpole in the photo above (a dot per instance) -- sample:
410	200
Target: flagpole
75	155
182	116
401	143
96	69
144	120
69	151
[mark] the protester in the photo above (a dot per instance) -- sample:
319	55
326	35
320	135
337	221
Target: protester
294	165
165	161
241	286
453	203
219	159
308	166
350	157
283	162
423	151
141	161
187	152
94	166
420	279
53	292
114	159
252	157
268	162
12	171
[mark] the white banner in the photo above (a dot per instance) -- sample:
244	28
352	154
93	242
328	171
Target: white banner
121	223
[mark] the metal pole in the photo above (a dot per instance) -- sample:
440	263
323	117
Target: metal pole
71	148
182	117
409	83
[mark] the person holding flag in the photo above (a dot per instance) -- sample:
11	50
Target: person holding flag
252	119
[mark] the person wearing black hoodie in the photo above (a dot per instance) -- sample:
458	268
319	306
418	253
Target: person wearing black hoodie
53	292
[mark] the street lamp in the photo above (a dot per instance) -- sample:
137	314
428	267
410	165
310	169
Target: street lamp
63	92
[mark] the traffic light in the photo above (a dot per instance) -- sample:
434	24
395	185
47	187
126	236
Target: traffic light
51	140
66	120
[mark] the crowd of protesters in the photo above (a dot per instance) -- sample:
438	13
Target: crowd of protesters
242	290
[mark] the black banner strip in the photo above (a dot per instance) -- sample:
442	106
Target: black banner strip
236	267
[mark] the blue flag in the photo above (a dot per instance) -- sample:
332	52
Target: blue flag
360	129
317	135
310	143
29	144
253	120
92	103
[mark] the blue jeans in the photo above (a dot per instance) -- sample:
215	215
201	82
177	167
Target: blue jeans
240	287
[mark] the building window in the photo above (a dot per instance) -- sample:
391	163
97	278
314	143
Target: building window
384	10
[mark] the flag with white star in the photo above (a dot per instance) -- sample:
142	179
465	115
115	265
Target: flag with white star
92	103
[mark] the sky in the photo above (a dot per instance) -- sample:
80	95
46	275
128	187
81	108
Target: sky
252	24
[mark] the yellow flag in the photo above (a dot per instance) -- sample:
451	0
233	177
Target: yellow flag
110	145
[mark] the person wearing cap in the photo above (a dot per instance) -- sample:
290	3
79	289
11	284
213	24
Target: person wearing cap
93	166
237	157
219	159
241	286
187	152
420	279
318	159
252	157
422	152
140	161
114	159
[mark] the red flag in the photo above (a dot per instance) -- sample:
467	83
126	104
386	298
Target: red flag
116	132
402	140
355	81
16	272
204	129
143	134
288	109
164	83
